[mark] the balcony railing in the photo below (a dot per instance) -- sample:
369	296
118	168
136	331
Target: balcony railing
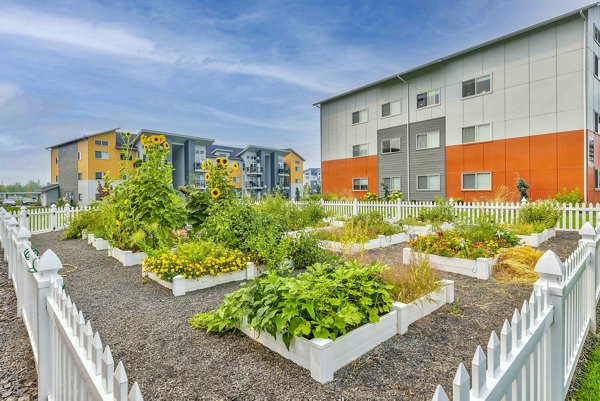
200	183
255	185
283	171
253	169
198	166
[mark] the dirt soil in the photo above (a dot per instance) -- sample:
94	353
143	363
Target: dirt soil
146	327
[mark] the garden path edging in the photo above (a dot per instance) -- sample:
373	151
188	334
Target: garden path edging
480	268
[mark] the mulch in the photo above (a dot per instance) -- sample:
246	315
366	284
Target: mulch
147	328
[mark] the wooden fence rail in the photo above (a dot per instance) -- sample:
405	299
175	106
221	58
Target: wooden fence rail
71	362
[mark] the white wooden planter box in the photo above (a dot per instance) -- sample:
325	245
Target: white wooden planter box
379	242
90	238
84	234
181	285
98	243
410	313
480	268
127	258
537	239
323	356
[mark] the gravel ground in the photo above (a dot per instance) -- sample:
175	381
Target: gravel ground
18	378
147	328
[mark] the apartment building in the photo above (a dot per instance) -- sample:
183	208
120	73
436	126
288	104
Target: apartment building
79	165
231	153
295	181
264	170
525	105
312	179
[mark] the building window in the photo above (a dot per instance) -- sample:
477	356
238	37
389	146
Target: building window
101	155
359	117
596	66
392	183
79	176
390	145
80	197
428	141
236	179
477	133
56	160
360	184
596	34
390	109
297	162
78	155
360	150
596	121
430	98
101	143
57	178
428	182
477	181
597	179
123	156
98	175
297	169
297	180
477	86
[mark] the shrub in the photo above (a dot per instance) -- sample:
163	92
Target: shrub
89	220
196	207
573	197
370	197
525	228
396	196
195	259
360	229
326	301
304	250
441	213
290	216
544	213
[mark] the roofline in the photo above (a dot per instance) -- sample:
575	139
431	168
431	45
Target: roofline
82	138
143	130
460	53
261	148
290	150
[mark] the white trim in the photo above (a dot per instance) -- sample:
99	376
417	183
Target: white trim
358	111
476	126
390	103
390	139
477	94
360	178
389	178
429	175
439	90
428	147
360	144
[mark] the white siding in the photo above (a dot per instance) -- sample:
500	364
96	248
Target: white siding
537	88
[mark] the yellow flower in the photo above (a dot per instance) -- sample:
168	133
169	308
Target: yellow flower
234	165
166	145
126	201
117	222
155	139
215	192
203	165
207	176
218	160
208	163
224	161
128	134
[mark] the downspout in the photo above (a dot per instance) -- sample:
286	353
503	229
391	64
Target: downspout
407	137
585	132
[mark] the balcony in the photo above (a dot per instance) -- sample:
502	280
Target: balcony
254	169
198	167
255	185
283	171
200	183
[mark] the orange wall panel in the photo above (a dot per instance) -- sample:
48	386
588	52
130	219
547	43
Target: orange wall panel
337	175
494	156
517	154
473	157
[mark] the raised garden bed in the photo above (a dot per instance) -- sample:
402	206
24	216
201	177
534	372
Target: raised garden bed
127	258
536	239
99	243
379	242
410	313
324	356
181	285
480	268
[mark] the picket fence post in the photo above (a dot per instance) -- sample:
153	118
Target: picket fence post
53	217
23	216
355	207
2	214
47	269
588	237
12	230
5	238
551	270
22	241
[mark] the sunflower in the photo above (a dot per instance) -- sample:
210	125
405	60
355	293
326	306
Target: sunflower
218	160
128	134
162	138
117	222
207	176
215	192
143	139
235	165
203	165
224	161
166	145
155	139
146	148
208	162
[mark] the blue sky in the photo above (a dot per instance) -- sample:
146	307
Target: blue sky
242	72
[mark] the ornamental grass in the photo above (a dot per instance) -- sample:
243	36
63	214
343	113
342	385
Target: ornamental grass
516	265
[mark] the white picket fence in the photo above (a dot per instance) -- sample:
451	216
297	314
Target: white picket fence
537	351
42	220
71	362
572	219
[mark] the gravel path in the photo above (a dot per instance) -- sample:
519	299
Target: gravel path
18	378
147	328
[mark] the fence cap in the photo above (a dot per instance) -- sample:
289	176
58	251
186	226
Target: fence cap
12	221
550	264
587	229
2	210
49	262
7	216
23	233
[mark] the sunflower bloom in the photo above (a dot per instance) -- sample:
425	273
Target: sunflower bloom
166	145
128	134
234	165
207	176
215	192
155	139
224	161
203	165
117	222
218	160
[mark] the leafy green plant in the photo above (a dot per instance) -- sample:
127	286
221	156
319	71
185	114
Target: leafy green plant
360	229
413	281
522	187
326	301
370	197
395	196
569	197
196	207
442	212
89	220
545	213
304	250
